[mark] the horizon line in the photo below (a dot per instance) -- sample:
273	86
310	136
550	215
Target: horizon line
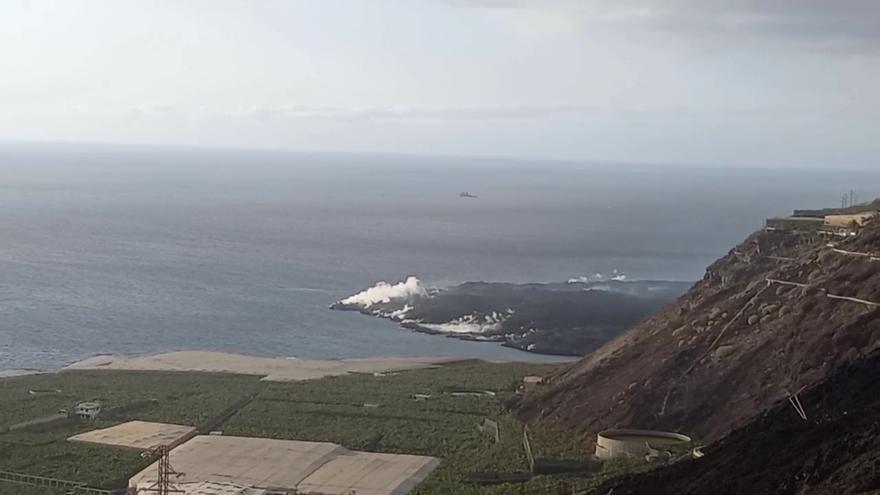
46	143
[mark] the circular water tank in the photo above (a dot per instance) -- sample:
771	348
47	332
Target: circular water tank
615	444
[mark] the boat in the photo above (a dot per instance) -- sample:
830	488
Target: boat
467	195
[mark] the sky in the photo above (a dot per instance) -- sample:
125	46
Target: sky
749	82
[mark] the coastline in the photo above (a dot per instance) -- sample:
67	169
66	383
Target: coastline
12	373
273	368
270	368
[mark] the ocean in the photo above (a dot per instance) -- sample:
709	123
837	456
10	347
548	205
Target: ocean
137	250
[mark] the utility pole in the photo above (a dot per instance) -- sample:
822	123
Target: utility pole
163	485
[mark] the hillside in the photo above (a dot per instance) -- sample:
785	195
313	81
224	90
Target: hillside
833	452
848	210
766	321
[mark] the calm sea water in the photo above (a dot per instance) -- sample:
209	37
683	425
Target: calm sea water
134	250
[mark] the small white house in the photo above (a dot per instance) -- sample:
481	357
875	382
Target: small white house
87	410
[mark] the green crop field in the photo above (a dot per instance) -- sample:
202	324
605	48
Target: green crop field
181	398
9	489
358	411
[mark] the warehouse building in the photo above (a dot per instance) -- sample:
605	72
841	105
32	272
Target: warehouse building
141	435
288	465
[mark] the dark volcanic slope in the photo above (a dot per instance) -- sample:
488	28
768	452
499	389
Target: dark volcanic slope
733	345
836	451
565	319
556	318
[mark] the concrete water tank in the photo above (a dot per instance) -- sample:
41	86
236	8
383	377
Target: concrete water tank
616	444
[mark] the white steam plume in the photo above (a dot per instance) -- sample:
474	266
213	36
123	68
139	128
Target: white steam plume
383	292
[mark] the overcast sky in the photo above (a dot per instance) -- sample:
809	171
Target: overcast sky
761	82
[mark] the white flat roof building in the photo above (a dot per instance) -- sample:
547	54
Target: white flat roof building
211	488
137	435
366	473
309	467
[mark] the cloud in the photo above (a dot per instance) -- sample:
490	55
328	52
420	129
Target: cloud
837	24
657	112
424	112
816	24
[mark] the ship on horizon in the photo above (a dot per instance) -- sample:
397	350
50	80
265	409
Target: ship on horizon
467	195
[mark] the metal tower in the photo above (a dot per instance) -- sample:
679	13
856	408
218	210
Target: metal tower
163	485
